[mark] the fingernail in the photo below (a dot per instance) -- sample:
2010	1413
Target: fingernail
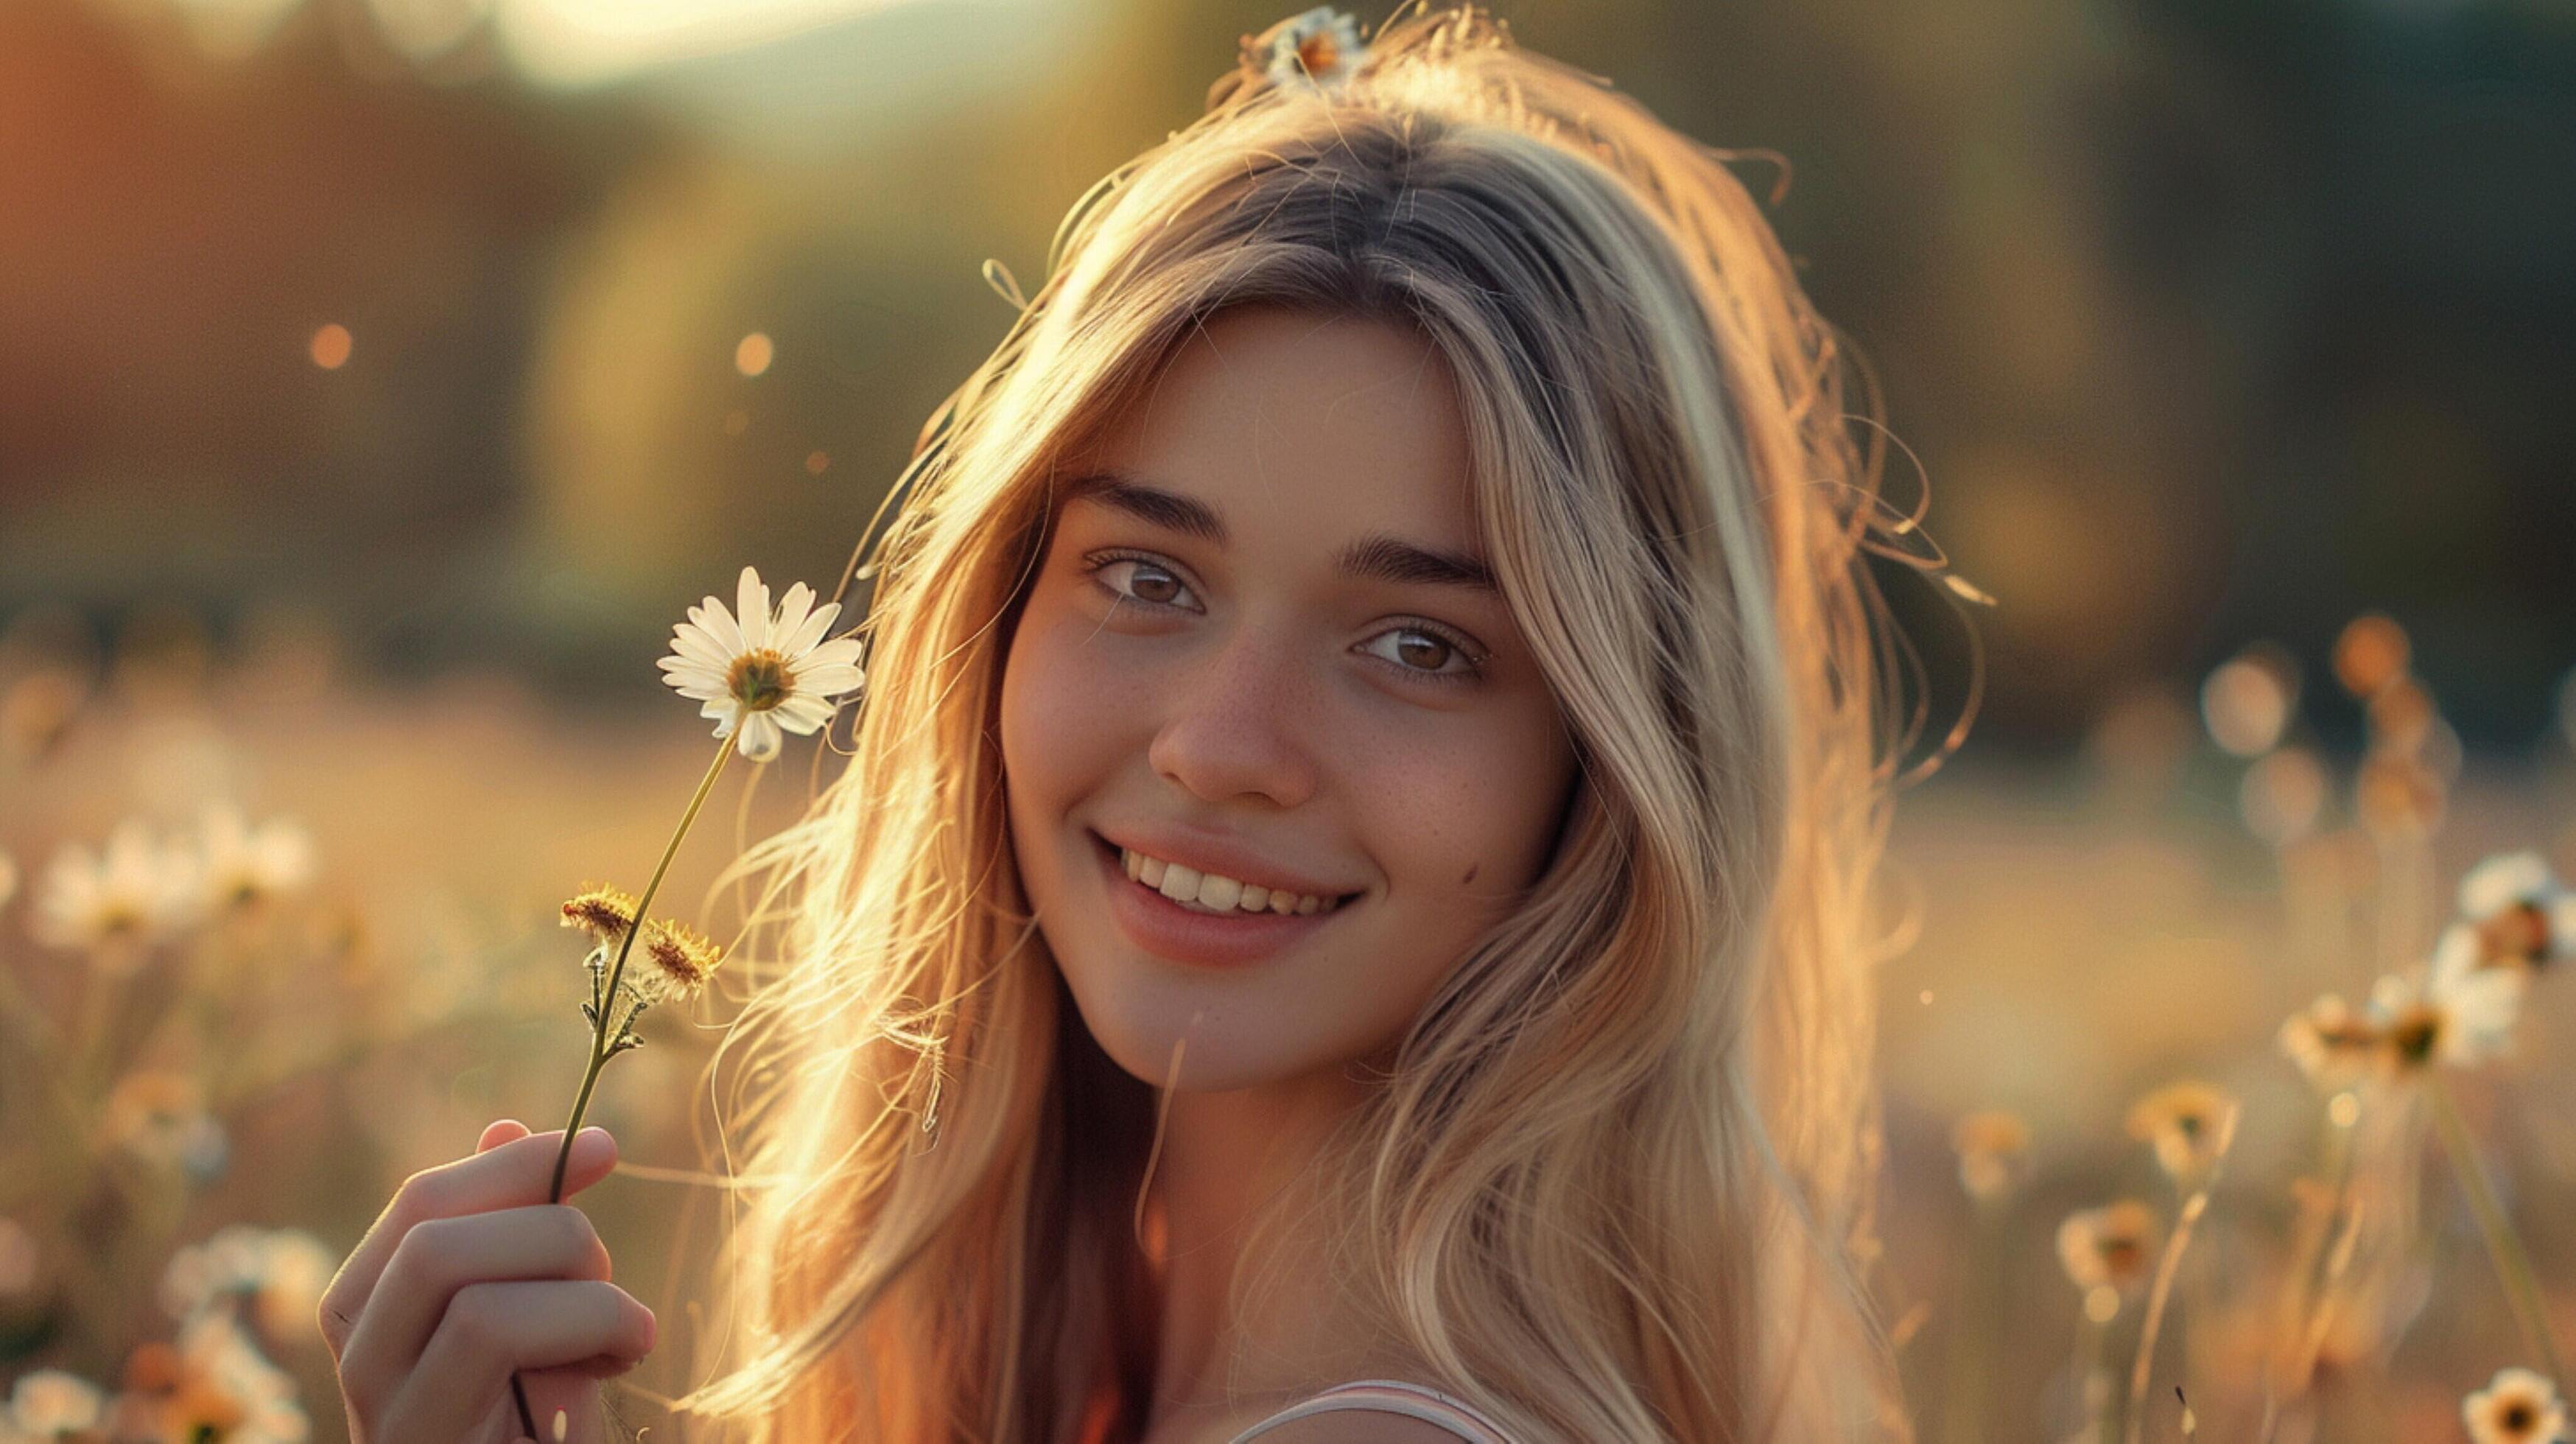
563	1425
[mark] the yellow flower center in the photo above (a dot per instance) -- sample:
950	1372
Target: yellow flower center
759	680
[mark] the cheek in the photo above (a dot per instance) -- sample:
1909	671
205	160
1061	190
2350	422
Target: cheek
1061	719
1466	817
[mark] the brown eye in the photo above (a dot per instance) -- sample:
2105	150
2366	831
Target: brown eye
1423	650
1155	585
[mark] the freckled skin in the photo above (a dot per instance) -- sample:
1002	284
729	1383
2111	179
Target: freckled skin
1276	706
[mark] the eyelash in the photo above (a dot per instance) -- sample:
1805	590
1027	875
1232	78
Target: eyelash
1097	562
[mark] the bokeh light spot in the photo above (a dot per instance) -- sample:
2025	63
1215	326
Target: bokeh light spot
816	461
330	346
753	353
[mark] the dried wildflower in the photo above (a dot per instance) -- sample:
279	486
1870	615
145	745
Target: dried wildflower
2459	1019
2517	911
1994	1154
141	890
2517	1406
2112	1247
765	670
601	911
247	868
50	1402
2189	1123
678	962
2331	1043
1318	50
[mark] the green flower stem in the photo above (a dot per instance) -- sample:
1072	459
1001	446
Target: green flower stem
600	1032
2513	1265
601	1047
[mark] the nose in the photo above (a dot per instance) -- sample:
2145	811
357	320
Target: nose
1238	723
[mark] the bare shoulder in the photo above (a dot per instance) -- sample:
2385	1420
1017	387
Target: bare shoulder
1358	1426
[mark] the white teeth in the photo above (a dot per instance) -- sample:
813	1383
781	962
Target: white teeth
1209	892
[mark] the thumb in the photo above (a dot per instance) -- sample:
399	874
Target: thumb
500	1131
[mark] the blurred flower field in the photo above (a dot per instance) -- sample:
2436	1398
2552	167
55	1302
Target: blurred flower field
2226	1062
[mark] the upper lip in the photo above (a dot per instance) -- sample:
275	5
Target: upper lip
1208	852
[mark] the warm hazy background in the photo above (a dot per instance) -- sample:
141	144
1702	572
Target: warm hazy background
379	379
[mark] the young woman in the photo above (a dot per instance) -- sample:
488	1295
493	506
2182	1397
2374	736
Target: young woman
1347	916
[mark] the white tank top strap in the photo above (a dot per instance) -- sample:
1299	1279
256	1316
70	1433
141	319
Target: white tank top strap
1391	1396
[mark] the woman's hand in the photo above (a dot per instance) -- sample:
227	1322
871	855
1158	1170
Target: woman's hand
470	1276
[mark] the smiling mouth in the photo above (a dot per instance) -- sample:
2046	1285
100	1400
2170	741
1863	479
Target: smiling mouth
1209	893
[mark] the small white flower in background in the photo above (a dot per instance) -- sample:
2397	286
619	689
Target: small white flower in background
764	669
282	1272
2517	910
2460	1018
2518	1406
139	891
247	866
49	1402
1317	50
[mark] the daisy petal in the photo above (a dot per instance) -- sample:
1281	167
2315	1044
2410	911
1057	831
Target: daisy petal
751	606
792	610
802	640
761	738
833	653
827	681
717	623
803	712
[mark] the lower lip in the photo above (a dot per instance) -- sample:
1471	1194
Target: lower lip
1212	940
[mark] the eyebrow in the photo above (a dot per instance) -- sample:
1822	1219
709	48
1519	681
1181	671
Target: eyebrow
1375	557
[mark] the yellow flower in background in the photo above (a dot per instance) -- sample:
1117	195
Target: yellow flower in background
601	911
139	891
678	962
2189	1124
247	867
2514	910
2112	1247
762	670
1994	1153
2518	1406
2331	1043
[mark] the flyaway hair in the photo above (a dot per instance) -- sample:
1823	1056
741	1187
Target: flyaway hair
1617	1184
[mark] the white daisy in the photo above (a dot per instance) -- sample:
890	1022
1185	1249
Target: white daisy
2520	910
766	671
247	866
2518	1406
1317	50
2461	1018
140	890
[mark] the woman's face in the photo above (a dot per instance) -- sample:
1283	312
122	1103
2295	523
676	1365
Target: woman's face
1255	650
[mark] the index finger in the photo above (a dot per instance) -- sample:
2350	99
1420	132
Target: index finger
510	1175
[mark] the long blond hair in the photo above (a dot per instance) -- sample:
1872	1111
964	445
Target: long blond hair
1617	1183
